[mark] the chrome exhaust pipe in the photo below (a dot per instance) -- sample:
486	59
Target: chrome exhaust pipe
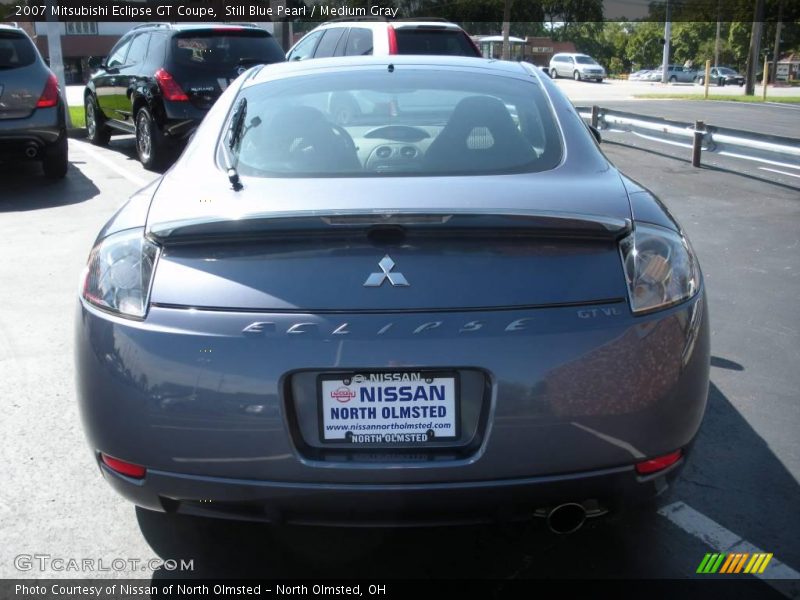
31	151
566	518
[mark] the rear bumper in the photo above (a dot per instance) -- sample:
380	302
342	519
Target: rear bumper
575	397
42	129
181	119
389	505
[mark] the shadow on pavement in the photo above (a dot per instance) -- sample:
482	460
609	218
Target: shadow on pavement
31	190
732	477
126	146
705	165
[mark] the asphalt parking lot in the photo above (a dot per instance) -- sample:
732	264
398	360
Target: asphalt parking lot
740	489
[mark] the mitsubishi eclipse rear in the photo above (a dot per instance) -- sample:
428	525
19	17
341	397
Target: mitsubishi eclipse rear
450	308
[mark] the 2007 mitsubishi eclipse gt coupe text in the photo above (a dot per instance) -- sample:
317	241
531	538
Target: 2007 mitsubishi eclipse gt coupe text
449	308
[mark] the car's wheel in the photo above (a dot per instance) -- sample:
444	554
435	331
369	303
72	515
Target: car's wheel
673	79
96	131
576	75
721	82
741	83
150	144
553	74
56	160
701	81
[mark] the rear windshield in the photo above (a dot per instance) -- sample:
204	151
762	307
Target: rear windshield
15	51
405	122
225	48
432	41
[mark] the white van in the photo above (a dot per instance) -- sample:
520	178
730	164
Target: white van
577	66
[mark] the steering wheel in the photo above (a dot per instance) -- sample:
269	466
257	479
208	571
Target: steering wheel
346	137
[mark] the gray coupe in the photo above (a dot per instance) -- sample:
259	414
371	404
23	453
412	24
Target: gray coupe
447	306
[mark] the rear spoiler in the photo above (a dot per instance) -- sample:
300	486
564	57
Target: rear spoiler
347	223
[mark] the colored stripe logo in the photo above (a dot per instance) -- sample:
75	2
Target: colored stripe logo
734	562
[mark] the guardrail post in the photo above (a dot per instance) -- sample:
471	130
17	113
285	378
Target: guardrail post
697	145
595	115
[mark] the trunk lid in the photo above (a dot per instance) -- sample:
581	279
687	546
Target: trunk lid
461	243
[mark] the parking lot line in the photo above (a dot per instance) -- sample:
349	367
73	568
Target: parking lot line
110	164
781	172
725	541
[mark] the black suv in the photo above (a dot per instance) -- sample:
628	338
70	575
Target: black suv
33	122
160	79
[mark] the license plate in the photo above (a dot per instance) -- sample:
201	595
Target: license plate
389	408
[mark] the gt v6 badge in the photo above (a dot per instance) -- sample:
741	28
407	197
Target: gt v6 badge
395	277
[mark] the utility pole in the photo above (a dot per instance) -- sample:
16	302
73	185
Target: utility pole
281	29
716	40
506	30
777	48
665	55
755	49
54	51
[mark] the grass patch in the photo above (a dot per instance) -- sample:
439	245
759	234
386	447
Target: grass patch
752	99
77	116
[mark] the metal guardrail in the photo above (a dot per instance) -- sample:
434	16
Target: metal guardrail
699	137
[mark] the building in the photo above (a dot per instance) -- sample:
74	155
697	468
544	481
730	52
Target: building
79	41
536	50
788	68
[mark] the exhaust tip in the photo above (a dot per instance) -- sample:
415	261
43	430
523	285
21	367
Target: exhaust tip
566	518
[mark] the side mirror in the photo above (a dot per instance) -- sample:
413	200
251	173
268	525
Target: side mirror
596	133
95	62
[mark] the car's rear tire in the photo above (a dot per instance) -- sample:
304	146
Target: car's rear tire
673	79
151	147
576	75
553	74
96	130
701	81
56	160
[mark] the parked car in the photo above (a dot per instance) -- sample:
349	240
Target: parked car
640	75
33	123
577	66
680	74
382	38
160	80
455	308
721	76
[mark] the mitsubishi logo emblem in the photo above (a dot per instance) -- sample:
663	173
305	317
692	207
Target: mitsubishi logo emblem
395	278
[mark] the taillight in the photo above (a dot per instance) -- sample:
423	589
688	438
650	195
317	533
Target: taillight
49	96
170	88
122	467
658	463
392	40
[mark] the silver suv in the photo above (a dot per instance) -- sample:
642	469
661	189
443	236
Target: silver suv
32	109
577	66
